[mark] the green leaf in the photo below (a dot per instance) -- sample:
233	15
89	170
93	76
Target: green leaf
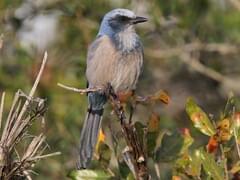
88	174
235	127
211	167
170	147
235	168
104	153
190	164
195	164
187	140
199	118
130	176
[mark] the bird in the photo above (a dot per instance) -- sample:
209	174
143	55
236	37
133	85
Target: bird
115	57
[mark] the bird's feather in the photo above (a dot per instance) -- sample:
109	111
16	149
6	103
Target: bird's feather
107	64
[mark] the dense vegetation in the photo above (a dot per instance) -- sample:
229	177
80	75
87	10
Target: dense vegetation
192	49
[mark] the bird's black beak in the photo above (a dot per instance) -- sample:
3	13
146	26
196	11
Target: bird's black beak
139	19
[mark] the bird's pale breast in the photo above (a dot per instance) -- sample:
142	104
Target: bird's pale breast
107	64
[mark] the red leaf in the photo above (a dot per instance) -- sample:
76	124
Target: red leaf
212	144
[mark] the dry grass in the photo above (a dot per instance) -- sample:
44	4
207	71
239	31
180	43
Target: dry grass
25	110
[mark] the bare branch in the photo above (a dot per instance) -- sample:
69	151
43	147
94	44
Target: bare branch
236	4
135	157
81	91
184	54
1	108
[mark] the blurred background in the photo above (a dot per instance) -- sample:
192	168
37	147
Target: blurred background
192	48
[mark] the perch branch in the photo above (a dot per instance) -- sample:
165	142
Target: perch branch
135	156
136	149
81	91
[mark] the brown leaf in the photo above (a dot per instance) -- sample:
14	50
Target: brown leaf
153	123
162	96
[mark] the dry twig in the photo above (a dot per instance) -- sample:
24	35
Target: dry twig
24	110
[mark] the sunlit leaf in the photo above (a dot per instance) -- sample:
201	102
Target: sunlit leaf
223	130
190	164
187	139
199	118
194	168
101	138
170	148
235	128
210	166
176	178
88	174
235	168
183	162
229	106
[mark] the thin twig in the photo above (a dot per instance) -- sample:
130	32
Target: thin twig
1	108
24	108
1	41
81	91
138	157
157	169
19	118
39	75
225	162
44	156
9	119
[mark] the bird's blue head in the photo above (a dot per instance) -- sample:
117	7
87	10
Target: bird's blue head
119	20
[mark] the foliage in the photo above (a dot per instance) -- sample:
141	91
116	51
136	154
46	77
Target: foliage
207	161
175	145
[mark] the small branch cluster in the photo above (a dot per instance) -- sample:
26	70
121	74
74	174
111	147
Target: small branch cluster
24	111
133	154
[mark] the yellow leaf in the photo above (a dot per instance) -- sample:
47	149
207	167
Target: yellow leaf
176	178
162	96
199	118
223	130
101	138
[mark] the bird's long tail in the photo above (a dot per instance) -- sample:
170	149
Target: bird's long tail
90	130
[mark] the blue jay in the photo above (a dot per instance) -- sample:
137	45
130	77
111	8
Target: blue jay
115	58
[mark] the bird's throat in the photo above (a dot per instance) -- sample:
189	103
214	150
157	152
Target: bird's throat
126	40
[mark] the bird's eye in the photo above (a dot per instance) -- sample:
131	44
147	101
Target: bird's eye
123	18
